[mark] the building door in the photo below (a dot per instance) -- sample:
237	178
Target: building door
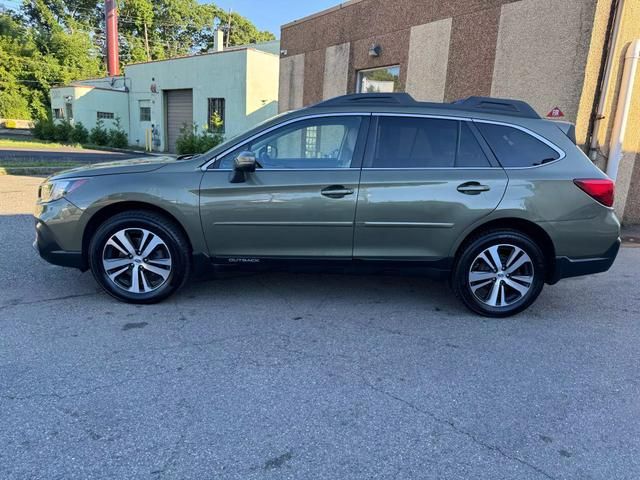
179	113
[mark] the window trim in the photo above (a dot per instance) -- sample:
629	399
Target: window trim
210	164
372	126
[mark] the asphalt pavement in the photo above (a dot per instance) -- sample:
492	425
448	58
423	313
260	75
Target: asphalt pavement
309	376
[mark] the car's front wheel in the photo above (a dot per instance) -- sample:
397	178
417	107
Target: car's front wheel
499	273
139	257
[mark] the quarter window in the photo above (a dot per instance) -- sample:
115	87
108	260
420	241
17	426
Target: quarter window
316	143
412	142
515	148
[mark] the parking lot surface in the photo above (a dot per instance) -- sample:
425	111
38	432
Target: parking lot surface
310	376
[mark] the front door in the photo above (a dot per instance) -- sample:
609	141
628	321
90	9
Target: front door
301	200
424	182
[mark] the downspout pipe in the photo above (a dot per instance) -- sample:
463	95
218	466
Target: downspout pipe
622	110
611	44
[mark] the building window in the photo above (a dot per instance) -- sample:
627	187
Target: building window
379	80
215	106
145	114
105	115
58	113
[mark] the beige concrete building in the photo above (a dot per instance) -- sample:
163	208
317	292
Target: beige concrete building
561	56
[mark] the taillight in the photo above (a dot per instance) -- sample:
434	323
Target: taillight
600	189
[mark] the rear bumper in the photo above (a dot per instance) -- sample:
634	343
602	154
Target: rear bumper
47	246
567	267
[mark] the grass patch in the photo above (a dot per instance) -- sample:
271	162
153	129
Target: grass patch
37	168
40	163
29	143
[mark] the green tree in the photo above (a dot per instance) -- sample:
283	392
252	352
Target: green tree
54	42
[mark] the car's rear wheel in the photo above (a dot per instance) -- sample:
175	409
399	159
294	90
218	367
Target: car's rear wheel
499	273
139	257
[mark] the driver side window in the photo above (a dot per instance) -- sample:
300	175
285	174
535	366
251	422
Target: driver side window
327	142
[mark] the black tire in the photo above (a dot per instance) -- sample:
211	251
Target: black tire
173	238
507	296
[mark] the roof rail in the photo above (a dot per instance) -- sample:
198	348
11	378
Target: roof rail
502	106
369	99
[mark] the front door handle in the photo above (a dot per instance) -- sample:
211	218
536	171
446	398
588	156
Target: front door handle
473	188
336	191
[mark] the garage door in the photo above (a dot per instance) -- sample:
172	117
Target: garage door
179	113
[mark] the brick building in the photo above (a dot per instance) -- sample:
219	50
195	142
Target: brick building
562	55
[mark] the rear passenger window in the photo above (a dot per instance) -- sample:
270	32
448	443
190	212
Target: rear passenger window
515	148
413	142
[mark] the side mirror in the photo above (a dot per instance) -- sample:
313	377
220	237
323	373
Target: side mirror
244	163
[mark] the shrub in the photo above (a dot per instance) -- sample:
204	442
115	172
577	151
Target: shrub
44	129
62	131
117	136
99	134
192	141
79	134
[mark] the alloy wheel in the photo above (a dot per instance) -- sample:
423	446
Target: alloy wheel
136	260
501	275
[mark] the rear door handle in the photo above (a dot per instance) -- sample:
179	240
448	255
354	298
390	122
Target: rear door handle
473	188
336	191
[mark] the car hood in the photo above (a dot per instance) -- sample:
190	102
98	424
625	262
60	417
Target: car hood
134	165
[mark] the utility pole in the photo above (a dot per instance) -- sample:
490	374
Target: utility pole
146	42
228	30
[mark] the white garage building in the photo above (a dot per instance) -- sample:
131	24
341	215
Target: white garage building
156	99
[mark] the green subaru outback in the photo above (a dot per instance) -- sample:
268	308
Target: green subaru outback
482	192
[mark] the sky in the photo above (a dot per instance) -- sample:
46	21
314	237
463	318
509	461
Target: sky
265	14
270	14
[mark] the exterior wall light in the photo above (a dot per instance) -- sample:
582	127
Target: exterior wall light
375	50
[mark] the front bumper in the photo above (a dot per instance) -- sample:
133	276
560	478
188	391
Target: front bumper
575	267
57	234
46	245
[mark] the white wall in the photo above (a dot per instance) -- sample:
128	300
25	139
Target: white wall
246	78
215	75
86	101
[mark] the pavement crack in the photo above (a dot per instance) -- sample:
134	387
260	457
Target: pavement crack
458	430
81	393
45	300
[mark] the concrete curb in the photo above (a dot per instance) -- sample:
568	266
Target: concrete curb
123	150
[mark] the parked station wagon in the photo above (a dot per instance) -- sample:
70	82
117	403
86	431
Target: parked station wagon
481	192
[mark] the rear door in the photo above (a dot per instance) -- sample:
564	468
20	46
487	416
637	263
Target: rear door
301	200
424	181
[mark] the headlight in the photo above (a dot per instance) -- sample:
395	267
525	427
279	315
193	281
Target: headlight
56	189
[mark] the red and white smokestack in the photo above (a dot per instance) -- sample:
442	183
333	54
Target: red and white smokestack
113	56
